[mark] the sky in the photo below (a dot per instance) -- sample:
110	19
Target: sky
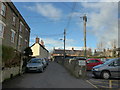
48	20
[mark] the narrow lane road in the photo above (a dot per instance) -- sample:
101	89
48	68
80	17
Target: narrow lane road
55	76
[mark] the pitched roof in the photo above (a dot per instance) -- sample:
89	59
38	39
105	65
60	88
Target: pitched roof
41	46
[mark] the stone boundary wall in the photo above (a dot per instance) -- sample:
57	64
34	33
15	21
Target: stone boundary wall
74	68
7	73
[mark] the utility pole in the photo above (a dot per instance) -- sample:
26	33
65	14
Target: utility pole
85	20
64	41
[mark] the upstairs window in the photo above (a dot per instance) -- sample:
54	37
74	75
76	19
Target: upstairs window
14	19
1	30
20	42
12	36
21	26
3	9
26	43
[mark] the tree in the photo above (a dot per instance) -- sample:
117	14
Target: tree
28	52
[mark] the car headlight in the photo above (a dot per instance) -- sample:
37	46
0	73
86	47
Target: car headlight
96	69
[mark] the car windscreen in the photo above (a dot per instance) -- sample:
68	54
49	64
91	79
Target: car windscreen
110	60
35	61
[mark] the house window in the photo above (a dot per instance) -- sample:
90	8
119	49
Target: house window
3	9
26	43
1	30
20	42
26	29
12	36
14	19
21	25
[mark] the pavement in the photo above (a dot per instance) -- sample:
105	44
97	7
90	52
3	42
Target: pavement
55	76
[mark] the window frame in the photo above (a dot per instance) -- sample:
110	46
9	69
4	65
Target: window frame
13	35
26	42
14	20
2	31
2	11
20	42
20	26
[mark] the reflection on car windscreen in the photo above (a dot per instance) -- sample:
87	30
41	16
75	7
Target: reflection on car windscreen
109	61
35	61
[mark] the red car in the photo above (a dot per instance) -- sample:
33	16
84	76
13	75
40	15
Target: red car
93	62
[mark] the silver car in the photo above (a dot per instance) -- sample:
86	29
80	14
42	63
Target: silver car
44	62
110	68
35	65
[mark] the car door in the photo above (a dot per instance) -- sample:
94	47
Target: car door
90	64
117	68
97	62
114	68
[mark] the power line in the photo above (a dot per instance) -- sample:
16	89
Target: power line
47	35
74	4
66	5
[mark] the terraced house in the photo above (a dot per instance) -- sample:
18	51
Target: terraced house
14	36
14	31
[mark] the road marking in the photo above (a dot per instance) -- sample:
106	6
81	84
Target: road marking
100	82
102	86
91	84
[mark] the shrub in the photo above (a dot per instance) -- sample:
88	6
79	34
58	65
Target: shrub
10	56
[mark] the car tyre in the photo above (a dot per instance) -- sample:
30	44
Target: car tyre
105	75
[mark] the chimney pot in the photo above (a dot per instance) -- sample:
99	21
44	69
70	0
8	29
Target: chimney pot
37	40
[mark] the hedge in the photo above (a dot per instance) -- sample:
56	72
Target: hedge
10	56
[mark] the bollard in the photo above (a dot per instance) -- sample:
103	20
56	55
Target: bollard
110	83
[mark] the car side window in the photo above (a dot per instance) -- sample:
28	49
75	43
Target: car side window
96	61
115	63
90	61
111	64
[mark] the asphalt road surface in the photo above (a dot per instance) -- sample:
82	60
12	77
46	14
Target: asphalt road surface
103	83
55	76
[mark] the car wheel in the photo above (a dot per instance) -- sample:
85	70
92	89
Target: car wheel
105	75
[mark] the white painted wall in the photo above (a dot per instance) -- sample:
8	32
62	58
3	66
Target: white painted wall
39	52
35	50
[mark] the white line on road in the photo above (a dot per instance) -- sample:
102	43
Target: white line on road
91	84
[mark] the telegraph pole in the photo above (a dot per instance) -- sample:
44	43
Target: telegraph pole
85	20
64	41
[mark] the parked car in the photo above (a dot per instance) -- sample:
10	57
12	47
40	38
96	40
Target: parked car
104	60
44	62
35	64
92	62
47	60
110	68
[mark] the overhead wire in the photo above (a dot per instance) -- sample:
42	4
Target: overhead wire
70	17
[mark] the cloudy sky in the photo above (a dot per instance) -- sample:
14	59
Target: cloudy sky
48	20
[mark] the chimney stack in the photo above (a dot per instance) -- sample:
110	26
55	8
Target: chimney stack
72	49
37	40
42	43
